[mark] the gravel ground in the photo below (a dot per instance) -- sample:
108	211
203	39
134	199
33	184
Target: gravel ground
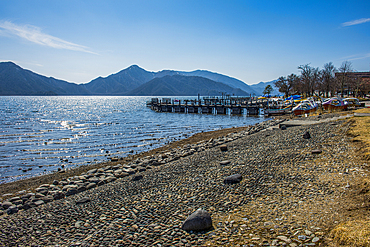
288	197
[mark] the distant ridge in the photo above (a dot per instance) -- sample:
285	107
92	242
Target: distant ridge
132	77
133	80
15	80
180	85
232	82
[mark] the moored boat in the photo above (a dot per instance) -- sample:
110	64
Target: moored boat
352	102
278	111
305	107
334	104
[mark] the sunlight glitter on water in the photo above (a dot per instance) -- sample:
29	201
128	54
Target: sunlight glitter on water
42	132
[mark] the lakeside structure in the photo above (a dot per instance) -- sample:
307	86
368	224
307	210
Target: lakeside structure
211	105
360	81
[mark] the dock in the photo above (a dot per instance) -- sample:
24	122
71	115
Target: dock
211	105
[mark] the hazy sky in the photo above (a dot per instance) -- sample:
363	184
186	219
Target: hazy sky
253	41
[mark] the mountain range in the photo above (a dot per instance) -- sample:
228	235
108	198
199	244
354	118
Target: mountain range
132	81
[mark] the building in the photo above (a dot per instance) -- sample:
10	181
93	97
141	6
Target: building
355	83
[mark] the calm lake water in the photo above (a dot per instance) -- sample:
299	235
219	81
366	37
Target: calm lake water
39	134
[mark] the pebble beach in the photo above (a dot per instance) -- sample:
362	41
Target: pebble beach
290	193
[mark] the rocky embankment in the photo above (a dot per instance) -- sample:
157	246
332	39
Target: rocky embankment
277	199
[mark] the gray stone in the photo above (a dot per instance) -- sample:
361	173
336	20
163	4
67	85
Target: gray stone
306	135
39	203
83	200
71	191
28	195
141	169
285	239
121	174
316	151
129	170
13	199
198	221
302	237
233	179
92	171
94	180
90	186
7	204
42	190
225	162
12	210
315	239
47	198
137	177
28	205
39	195
156	163
58	195
81	188
223	148
18	202
110	179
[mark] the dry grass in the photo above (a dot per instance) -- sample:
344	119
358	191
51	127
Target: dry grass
352	233
361	132
356	232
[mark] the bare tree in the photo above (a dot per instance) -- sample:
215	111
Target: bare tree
315	80
328	78
354	83
309	78
345	68
286	84
305	77
282	86
364	87
292	80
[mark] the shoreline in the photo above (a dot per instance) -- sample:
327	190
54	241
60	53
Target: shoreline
30	184
289	195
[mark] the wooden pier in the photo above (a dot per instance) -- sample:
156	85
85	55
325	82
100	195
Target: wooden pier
210	105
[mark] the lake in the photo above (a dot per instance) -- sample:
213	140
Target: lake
39	134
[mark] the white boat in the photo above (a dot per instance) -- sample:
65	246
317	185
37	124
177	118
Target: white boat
306	106
352	102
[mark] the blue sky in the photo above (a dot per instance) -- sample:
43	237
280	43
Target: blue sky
253	41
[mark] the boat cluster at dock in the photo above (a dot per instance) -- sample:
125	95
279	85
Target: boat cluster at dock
298	106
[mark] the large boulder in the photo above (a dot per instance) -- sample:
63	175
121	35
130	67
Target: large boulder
233	179
198	221
12	210
306	135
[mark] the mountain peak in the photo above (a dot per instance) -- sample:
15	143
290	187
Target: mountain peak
134	66
9	63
